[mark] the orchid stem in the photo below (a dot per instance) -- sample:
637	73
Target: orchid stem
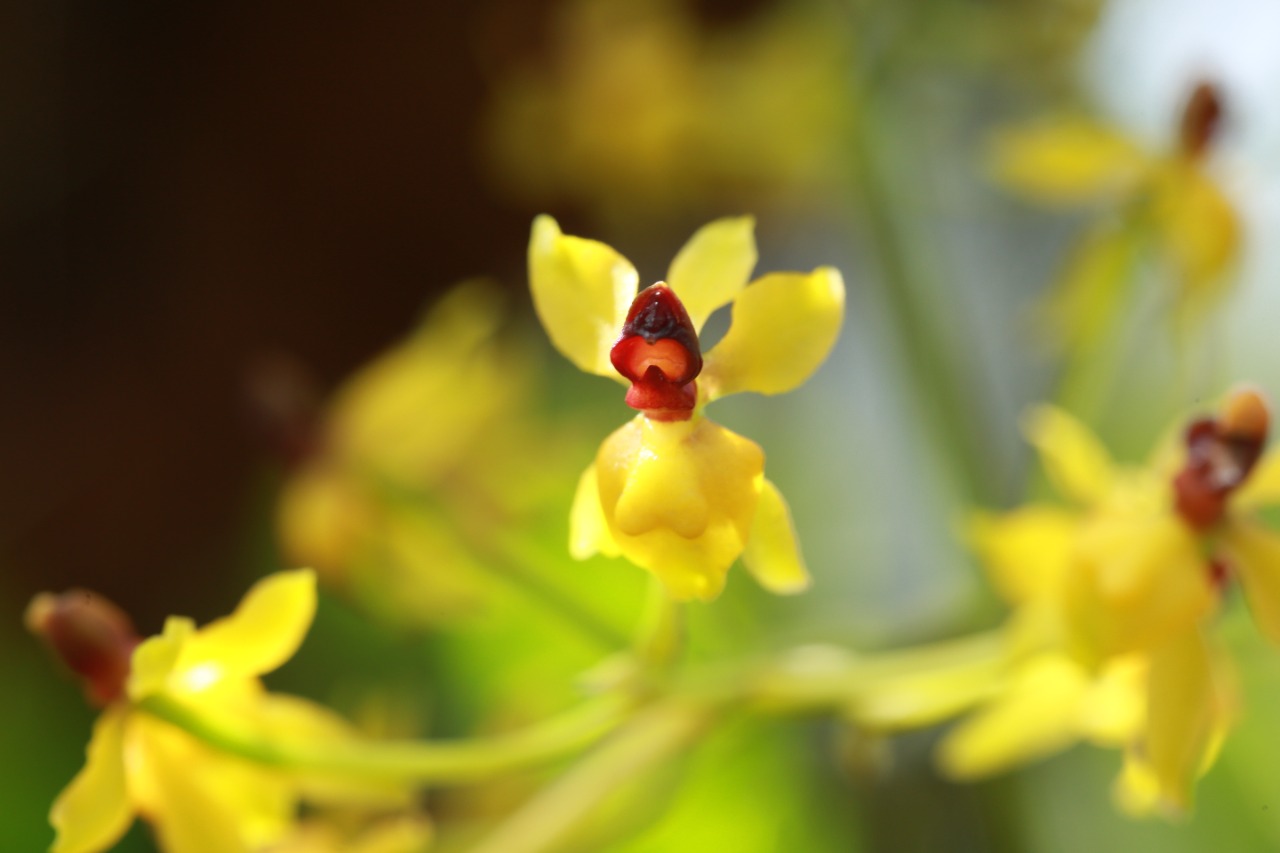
425	762
660	635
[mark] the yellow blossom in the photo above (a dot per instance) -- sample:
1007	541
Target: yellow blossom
641	108
1168	197
671	491
197	799
416	449
1114	597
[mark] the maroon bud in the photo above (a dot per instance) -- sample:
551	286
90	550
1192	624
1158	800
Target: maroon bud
93	637
1201	118
658	351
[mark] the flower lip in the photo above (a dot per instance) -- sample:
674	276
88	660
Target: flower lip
658	351
1221	452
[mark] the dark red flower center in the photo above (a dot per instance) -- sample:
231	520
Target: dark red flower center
1221	452
658	351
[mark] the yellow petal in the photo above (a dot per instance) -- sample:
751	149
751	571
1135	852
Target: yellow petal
1038	715
155	658
264	631
1076	462
714	266
376	420
588	530
773	553
1115	704
679	499
1025	551
582	290
784	325
1199	230
93	811
1183	709
1082	306
1067	162
200	800
322	516
1254	554
1135	585
1262	487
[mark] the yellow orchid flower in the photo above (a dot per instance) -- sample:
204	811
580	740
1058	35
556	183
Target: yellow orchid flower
1166	196
197	799
1113	600
672	491
409	457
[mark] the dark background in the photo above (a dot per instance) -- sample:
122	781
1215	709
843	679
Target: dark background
185	191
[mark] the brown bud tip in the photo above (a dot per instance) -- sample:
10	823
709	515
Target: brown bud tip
658	351
1201	118
1245	416
283	407
93	637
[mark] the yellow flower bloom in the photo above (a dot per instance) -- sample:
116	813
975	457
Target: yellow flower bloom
642	108
200	800
671	491
416	448
1168	197
1113	600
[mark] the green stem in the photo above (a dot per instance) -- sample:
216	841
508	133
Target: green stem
661	631
900	689
892	690
419	761
552	815
951	419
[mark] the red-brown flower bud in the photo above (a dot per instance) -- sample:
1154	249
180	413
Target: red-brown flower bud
1201	118
658	351
92	636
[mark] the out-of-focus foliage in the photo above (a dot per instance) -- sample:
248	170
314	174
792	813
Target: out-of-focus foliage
646	109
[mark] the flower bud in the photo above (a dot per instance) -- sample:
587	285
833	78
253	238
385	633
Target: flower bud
1201	119
92	636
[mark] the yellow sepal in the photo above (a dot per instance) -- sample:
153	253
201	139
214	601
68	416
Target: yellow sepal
714	266
783	327
1077	463
1067	162
93	811
581	290
773	553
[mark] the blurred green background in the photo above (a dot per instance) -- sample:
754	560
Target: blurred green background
189	193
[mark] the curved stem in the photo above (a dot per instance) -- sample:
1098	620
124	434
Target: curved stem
554	813
893	690
661	631
420	761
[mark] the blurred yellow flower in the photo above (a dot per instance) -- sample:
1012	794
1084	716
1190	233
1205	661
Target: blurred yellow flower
418	448
200	800
671	491
642	108
1166	198
1113	598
